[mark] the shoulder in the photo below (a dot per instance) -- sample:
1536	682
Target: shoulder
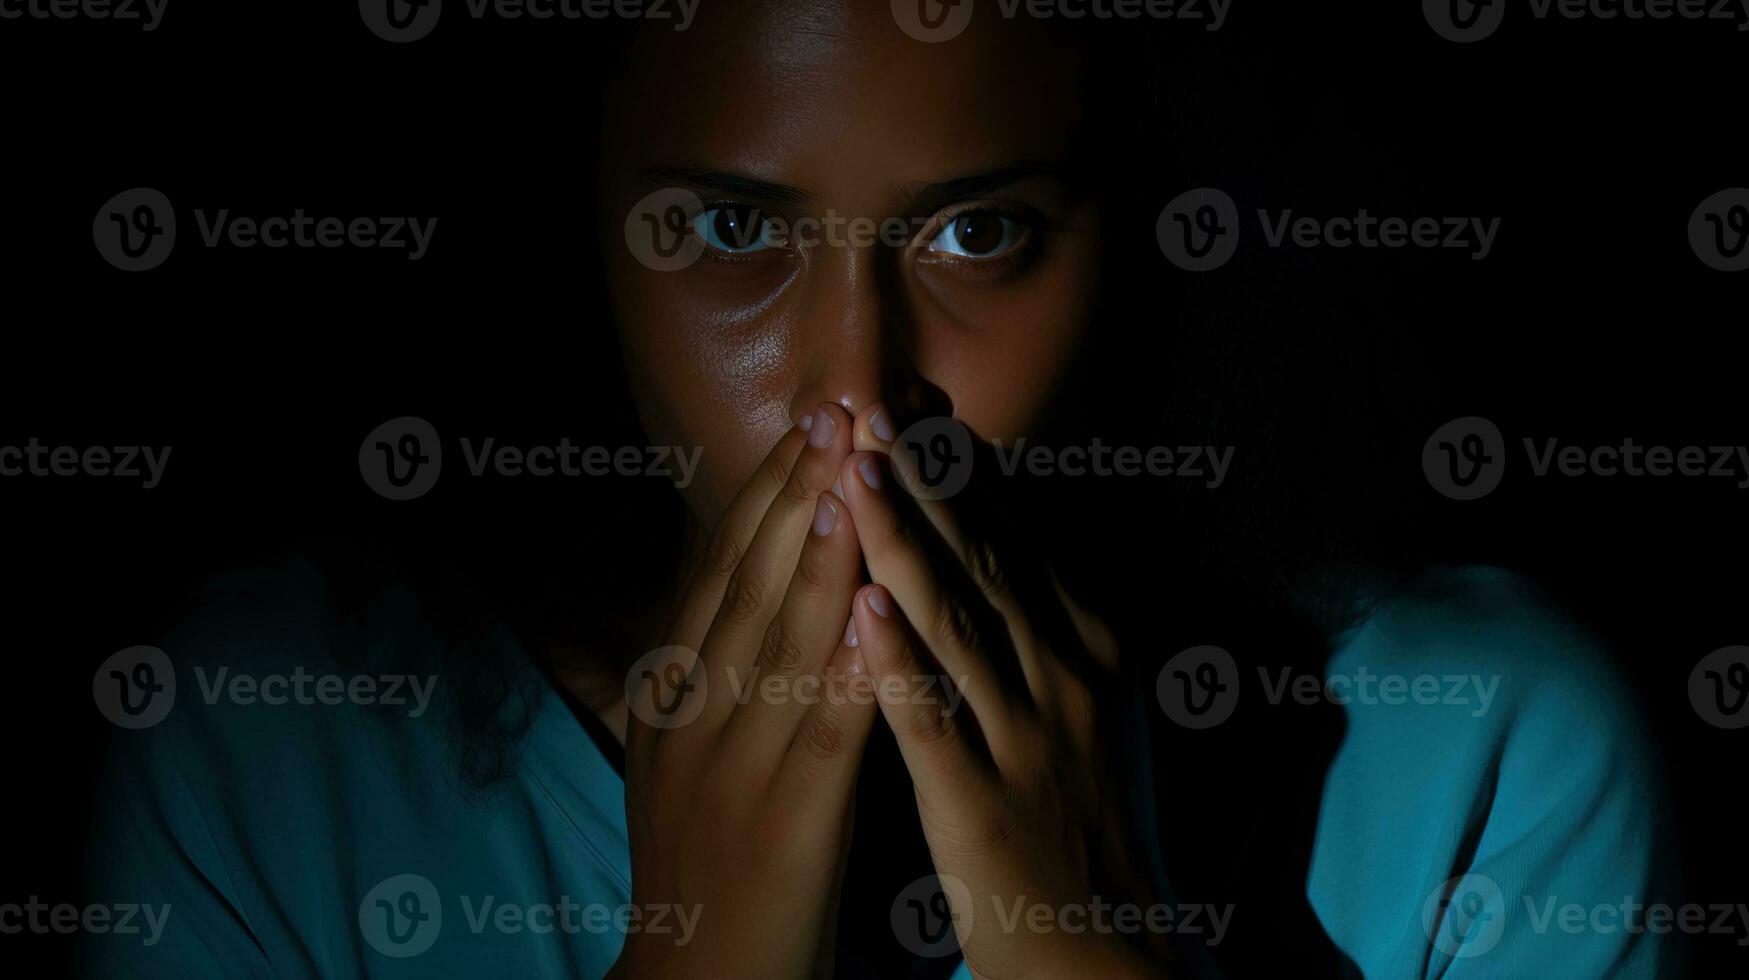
1505	748
1474	667
276	698
267	652
1496	629
307	754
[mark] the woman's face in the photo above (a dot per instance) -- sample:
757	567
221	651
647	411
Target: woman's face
801	126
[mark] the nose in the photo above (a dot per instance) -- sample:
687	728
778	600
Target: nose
851	337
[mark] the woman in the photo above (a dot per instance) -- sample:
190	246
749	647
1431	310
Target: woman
825	584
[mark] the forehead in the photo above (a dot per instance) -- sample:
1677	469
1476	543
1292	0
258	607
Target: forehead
766	85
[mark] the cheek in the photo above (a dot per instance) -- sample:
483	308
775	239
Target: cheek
702	380
1000	385
1008	345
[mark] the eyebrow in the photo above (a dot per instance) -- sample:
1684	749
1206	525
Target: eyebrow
926	196
930	197
730	183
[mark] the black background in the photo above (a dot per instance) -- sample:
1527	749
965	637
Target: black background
1593	320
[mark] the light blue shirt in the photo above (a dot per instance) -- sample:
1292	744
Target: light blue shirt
305	838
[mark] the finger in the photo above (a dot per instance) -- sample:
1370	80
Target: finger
1017	587
942	757
876	432
729	540
819	770
788	671
1096	637
893	546
755	589
698	604
874	429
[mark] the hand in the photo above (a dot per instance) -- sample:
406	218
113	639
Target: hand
743	812
1016	797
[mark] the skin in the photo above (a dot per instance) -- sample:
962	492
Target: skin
832	99
794	367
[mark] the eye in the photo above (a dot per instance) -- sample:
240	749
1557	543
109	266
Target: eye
978	235
737	229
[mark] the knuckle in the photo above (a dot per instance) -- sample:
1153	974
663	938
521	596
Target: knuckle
900	535
896	658
1002	823
776	469
743	597
808	479
821	736
780	652
812	570
796	489
930	726
723	551
985	568
954	624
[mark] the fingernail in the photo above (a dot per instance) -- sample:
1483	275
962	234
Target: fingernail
882	425
850	639
870	472
825	517
877	600
806	422
821	430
